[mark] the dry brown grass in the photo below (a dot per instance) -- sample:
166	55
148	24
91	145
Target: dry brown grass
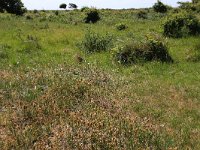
83	108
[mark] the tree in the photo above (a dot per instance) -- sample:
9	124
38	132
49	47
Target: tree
160	7
91	16
12	6
73	6
63	6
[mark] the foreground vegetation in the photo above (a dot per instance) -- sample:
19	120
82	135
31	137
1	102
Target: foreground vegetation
61	86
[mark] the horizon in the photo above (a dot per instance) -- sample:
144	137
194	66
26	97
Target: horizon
100	4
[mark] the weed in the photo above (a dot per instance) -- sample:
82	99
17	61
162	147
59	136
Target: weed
72	108
31	45
95	42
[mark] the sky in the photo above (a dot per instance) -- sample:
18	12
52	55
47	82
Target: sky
115	4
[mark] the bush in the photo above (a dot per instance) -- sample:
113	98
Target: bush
94	42
160	7
91	16
181	24
142	14
152	49
194	55
121	26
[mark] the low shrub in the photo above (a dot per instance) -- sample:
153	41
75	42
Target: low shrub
95	42
3	55
152	49
181	24
188	6
91	16
194	55
31	45
28	17
160	7
142	14
121	26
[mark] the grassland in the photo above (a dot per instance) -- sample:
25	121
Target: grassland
49	100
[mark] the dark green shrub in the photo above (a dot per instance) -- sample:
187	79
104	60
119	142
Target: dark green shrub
12	6
160	7
152	49
195	1
3	55
56	12
142	14
95	42
28	17
91	16
181	24
121	26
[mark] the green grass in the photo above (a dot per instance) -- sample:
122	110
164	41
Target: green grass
50	100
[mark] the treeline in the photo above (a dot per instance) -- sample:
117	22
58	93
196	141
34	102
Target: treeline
17	7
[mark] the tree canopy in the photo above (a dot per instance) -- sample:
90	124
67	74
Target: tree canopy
73	6
63	6
12	6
